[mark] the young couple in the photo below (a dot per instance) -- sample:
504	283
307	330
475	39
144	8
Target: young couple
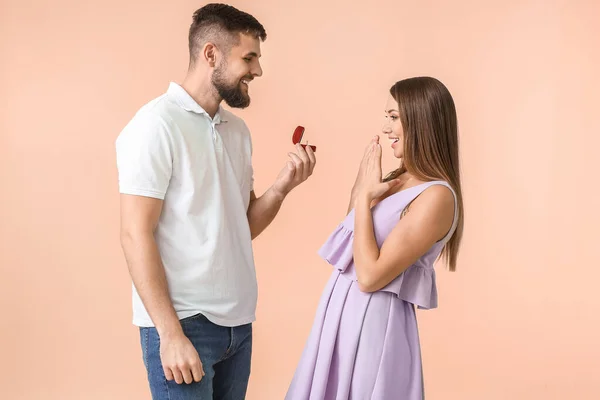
189	214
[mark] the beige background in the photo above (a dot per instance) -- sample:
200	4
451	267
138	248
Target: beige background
520	318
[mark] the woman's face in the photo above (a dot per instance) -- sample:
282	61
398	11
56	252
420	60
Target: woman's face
392	127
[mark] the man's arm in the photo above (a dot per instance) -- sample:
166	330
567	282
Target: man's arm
262	210
139	218
144	163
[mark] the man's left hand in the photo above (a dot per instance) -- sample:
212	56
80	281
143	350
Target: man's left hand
296	171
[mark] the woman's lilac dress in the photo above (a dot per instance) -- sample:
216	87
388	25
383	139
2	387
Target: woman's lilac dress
366	345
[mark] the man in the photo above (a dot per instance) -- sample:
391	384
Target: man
189	214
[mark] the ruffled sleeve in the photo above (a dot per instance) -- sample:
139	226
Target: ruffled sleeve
337	250
416	285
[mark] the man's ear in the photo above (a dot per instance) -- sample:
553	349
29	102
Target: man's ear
210	54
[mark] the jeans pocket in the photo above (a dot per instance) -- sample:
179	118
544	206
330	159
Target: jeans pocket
144	343
195	317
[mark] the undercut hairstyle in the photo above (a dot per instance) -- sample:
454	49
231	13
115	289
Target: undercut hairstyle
221	24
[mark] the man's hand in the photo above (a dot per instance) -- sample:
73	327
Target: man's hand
263	210
180	360
296	171
139	218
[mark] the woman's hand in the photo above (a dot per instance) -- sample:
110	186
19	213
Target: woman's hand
369	176
360	176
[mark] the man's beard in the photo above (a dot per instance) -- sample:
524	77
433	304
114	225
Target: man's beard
231	93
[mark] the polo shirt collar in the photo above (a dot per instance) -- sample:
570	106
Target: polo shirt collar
185	101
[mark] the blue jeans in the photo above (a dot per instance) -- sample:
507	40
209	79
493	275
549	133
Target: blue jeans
225	354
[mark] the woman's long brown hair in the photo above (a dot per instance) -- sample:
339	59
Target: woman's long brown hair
428	117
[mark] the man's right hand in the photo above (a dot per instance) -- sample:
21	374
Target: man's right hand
139	219
180	360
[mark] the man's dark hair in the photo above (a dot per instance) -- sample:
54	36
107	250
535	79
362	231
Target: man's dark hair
221	24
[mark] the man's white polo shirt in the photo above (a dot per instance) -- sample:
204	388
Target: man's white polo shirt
202	169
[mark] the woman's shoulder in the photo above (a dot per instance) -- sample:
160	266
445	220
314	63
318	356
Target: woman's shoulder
436	195
439	190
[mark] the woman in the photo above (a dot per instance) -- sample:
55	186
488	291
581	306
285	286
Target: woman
364	342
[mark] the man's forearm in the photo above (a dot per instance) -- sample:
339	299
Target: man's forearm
148	275
262	211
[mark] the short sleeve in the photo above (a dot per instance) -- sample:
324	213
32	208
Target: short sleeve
250	173
144	157
250	151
